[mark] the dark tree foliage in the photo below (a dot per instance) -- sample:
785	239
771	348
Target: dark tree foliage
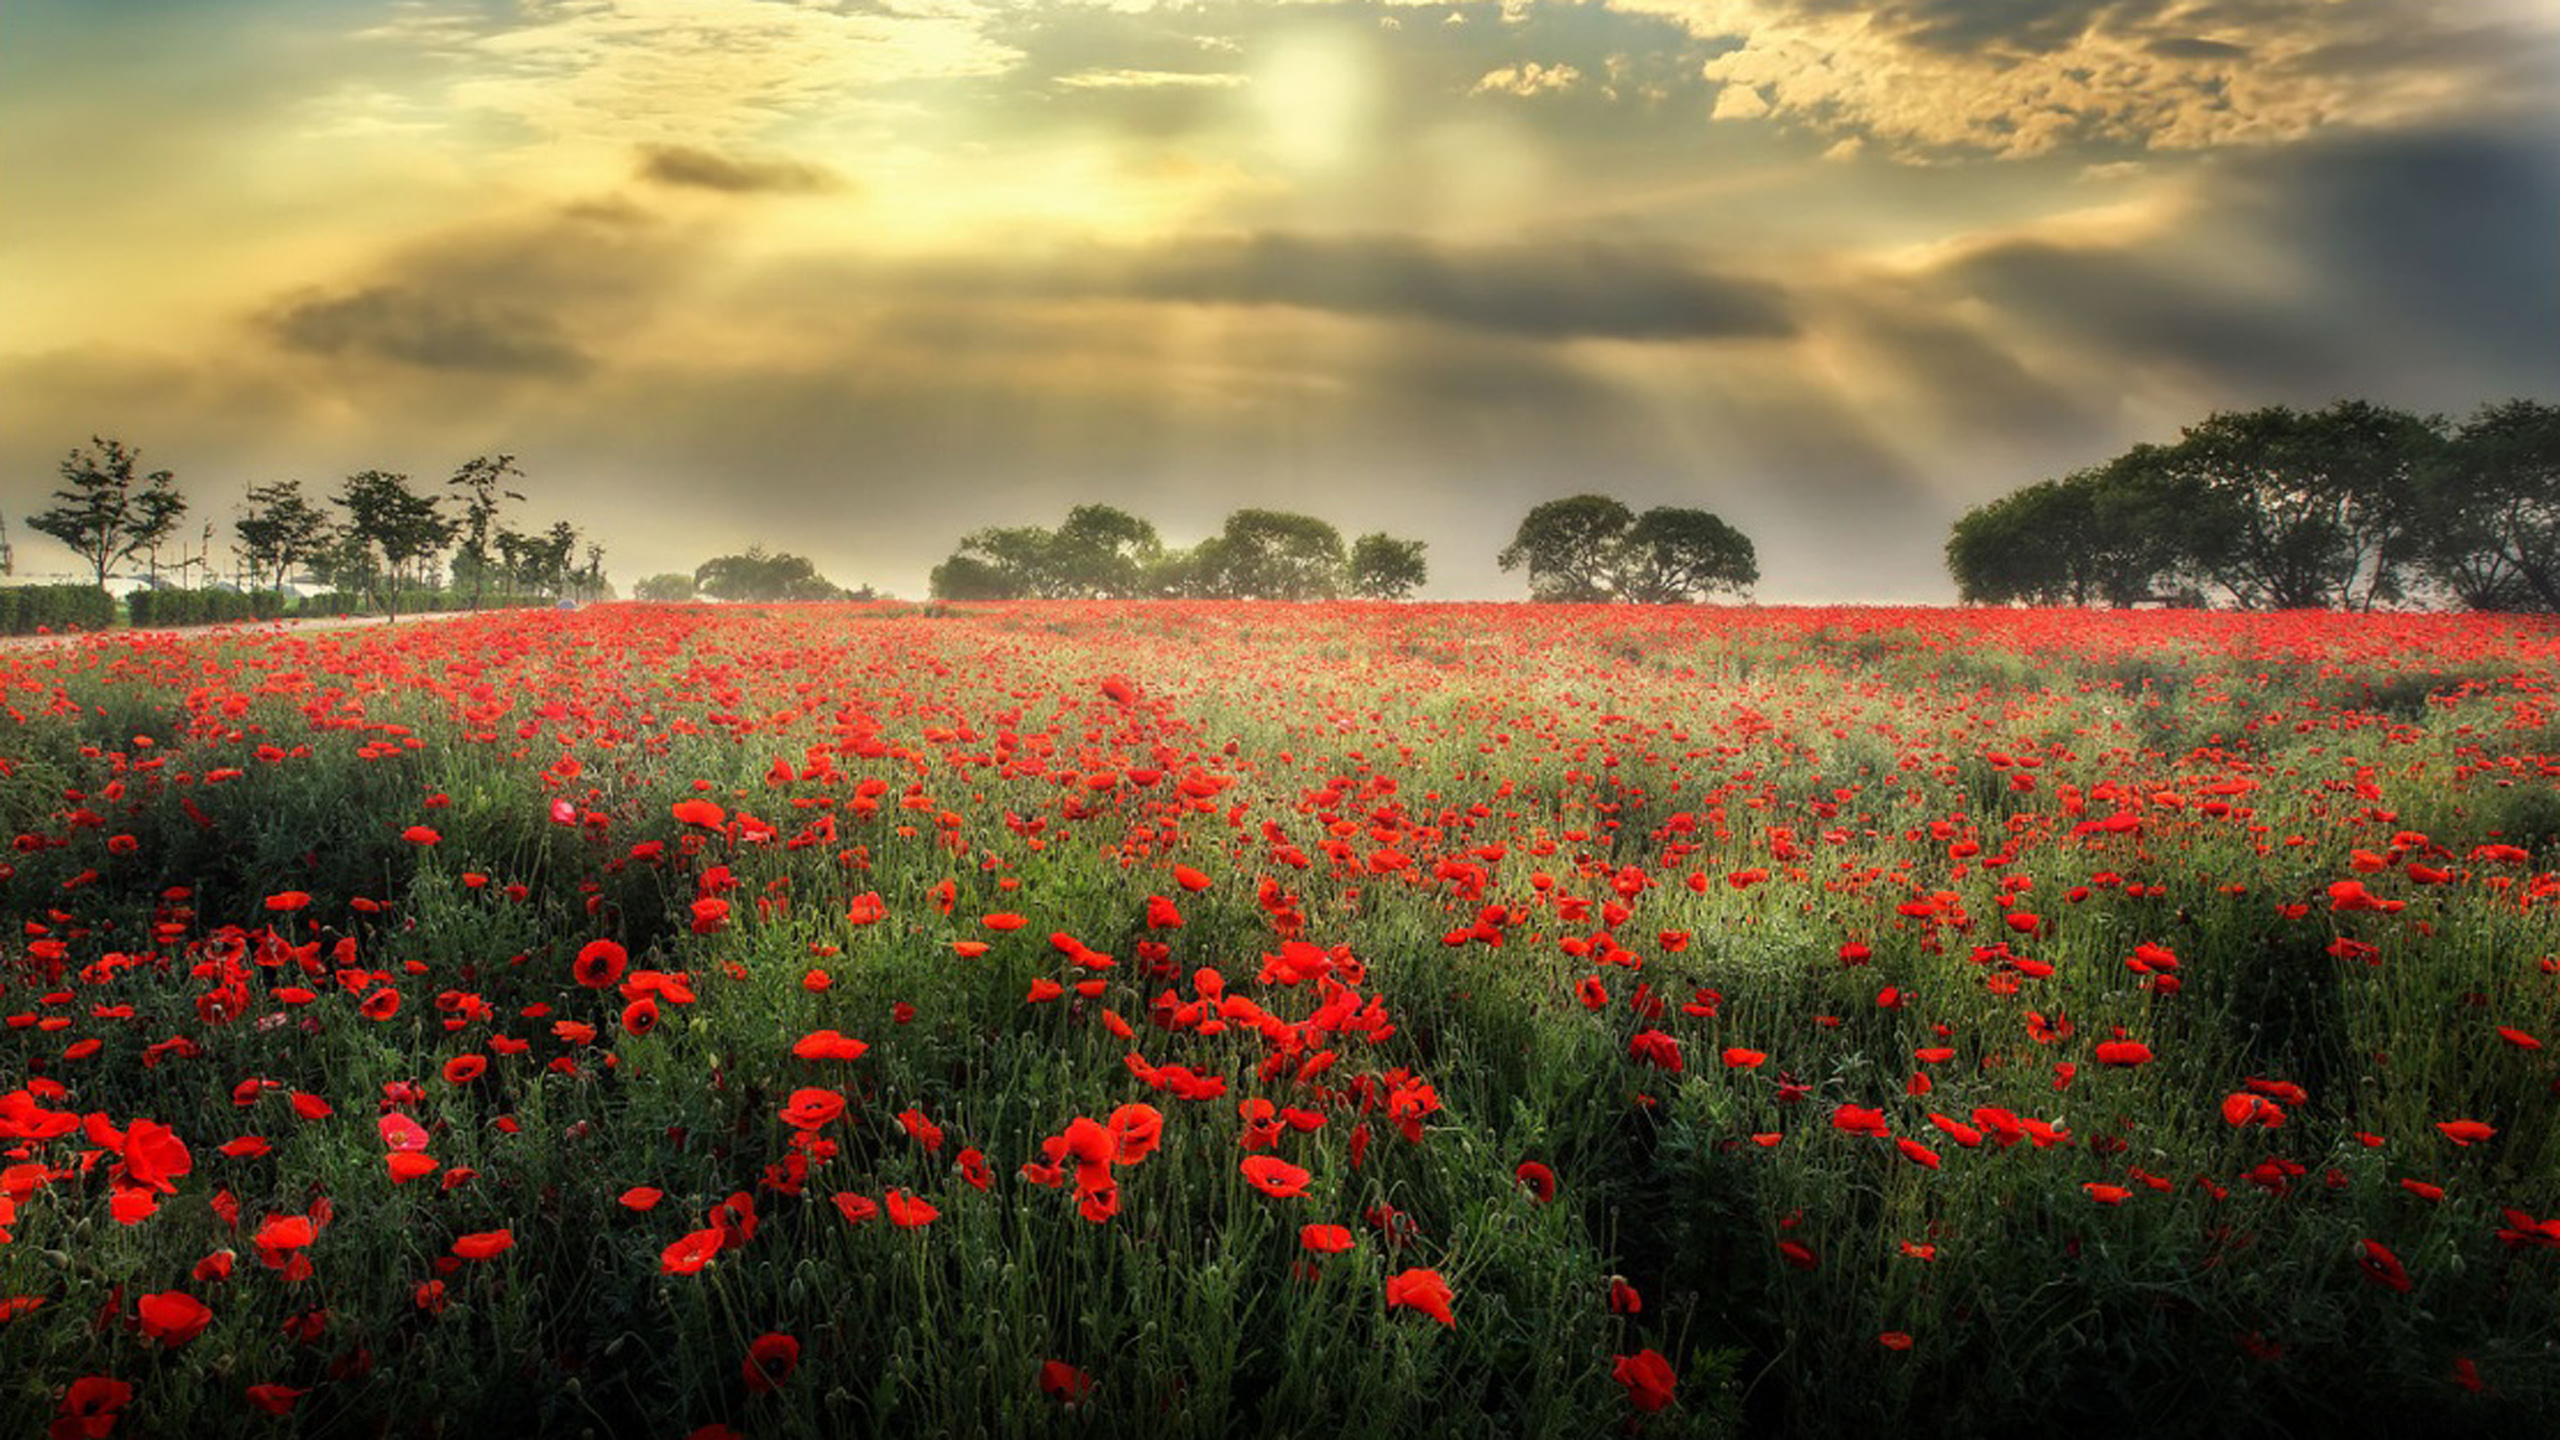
2350	507
1269	555
279	531
2491	502
106	513
759	575
1383	567
391	536
1588	548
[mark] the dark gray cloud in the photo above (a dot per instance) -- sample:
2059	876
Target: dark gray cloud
687	166
1550	291
528	297
2437	240
2148	310
2034	27
2413	268
436	332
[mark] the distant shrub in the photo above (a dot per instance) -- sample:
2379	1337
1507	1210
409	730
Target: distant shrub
26	609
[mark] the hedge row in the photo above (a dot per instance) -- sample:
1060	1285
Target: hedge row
25	609
416	602
150	608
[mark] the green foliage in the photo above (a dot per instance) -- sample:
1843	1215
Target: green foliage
664	589
1588	548
26	609
480	479
158	608
2305	510
391	537
106	514
280	531
2492	505
1268	555
1385	568
2120	532
2350	507
757	575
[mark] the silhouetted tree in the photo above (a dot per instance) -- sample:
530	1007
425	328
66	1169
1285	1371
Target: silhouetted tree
106	513
1588	548
1383	567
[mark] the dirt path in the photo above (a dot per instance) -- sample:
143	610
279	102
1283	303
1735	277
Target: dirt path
245	627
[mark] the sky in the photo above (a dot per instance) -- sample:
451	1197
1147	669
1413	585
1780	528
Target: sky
850	279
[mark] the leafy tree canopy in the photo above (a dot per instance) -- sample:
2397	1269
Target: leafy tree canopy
1587	548
106	513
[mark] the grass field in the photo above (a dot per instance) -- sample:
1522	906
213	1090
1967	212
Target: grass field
1194	1019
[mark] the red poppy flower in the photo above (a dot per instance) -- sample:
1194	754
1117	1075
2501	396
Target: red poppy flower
2465	1132
90	1407
1421	1290
173	1317
909	1213
1274	1176
1325	1239
923	1131
641	1197
1063	1382
640	1016
699	812
420	835
828	1045
771	1357
690	1252
463	1069
1650	1383
1135	1131
1538	1179
809	1109
274	1399
2382	1267
599	964
485	1245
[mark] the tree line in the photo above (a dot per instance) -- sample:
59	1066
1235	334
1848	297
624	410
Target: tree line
1102	552
757	575
386	541
2346	508
1584	548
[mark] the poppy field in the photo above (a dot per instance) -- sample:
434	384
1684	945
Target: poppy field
1197	1019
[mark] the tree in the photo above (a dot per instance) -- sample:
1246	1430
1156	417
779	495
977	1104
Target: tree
1590	547
670	589
758	575
2122	532
1672	556
479	478
1100	552
1385	568
2305	510
280	531
1270	555
103	517
971	577
1570	548
404	529
2491	502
